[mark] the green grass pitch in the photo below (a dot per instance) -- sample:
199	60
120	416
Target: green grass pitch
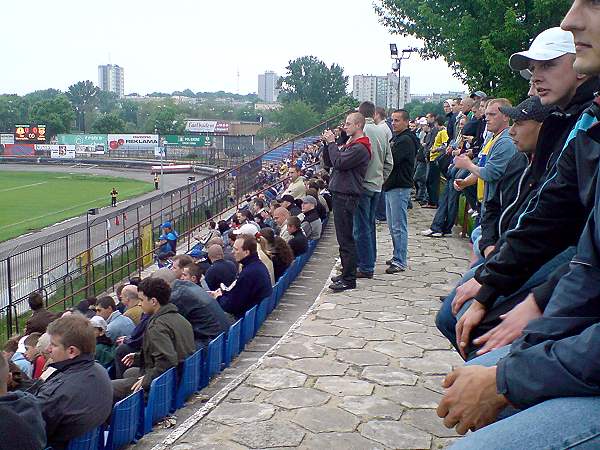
33	200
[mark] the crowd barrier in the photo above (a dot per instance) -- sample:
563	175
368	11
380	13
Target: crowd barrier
132	419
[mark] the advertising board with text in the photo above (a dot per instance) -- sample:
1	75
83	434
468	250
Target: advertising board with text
85	143
207	126
57	151
132	141
188	141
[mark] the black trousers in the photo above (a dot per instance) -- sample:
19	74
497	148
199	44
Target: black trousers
343	215
120	368
433	183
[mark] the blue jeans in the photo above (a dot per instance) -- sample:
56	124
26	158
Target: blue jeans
560	423
396	206
380	213
475	238
445	215
364	231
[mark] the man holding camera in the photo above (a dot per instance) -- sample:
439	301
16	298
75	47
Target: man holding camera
349	163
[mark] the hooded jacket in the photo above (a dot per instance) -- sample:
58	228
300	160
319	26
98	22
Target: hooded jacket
553	218
206	316
404	152
168	340
22	426
349	164
75	399
311	225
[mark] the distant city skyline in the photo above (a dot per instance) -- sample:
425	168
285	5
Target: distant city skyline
165	47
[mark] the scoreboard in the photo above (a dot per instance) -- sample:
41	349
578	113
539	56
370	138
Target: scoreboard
30	134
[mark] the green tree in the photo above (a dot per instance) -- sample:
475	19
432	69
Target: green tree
109	123
36	96
344	104
83	95
475	37
107	101
55	113
295	117
13	111
129	111
310	80
419	109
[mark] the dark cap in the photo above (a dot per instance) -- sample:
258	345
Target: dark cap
287	198
479	94
530	109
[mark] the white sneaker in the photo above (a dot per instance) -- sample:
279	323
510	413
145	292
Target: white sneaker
427	232
436	234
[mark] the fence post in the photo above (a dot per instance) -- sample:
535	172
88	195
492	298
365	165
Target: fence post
10	300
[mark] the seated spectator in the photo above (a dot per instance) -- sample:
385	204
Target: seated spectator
22	425
135	281
311	225
266	260
40	316
192	273
227	250
168	340
87	307
253	282
130	344
119	294
42	348
224	229
298	242
105	350
14	350
179	262
321	206
167	242
288	202
296	188
281	216
281	253
76	395
17	380
117	324
245	217
33	355
213	232
220	270
131	301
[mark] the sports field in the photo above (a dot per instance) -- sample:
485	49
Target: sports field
33	200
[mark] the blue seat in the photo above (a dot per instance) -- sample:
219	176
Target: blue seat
160	399
190	378
232	346
126	422
273	297
88	441
215	355
248	328
261	313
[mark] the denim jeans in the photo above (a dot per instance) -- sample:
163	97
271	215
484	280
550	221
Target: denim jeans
396	202
475	238
560	423
420	179
364	231
445	215
380	212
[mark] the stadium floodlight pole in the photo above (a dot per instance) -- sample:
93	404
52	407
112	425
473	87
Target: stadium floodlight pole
88	213
398	63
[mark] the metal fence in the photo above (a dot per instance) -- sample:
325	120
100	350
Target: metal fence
91	258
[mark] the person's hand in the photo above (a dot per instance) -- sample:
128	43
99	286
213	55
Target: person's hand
471	401
329	136
137	385
120	340
462	162
128	359
489	249
456	152
459	184
469	320
464	292
511	327
216	294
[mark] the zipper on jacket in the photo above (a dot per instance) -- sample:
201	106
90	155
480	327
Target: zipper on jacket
515	200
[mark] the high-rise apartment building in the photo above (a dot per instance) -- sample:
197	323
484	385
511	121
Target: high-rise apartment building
112	78
267	86
381	90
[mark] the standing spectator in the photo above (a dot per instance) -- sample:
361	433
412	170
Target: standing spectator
298	242
397	189
117	324
40	316
156	181
168	340
296	188
349	164
134	308
22	424
433	174
311	224
113	197
220	270
378	170
77	396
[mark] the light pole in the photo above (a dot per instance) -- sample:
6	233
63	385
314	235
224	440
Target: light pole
88	213
398	62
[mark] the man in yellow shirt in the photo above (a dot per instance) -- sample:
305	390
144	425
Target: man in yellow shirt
433	173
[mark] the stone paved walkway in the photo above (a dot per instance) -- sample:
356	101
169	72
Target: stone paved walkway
362	370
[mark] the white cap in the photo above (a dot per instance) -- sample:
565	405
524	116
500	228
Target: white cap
248	229
549	44
98	322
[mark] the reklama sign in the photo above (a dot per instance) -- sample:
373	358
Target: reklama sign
132	141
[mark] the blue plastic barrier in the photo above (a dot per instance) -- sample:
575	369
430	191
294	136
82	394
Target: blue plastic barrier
232	346
190	378
248	329
88	441
261	313
160	399
215	355
126	422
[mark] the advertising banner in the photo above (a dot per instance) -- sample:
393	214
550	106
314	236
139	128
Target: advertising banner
207	126
147	245
132	141
19	150
7	138
188	141
58	151
85	143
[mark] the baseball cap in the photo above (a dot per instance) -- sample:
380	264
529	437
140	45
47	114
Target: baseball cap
98	322
529	109
287	198
247	229
309	199
479	94
547	45
167	225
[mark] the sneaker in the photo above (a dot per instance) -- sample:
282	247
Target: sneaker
360	274
394	269
389	262
341	286
427	232
436	234
336	278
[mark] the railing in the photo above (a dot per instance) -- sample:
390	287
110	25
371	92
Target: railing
87	260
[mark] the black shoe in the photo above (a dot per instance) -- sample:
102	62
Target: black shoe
341	286
394	269
389	262
360	274
336	278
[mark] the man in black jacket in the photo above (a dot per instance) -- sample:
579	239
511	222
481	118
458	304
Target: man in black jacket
77	396
397	189
349	163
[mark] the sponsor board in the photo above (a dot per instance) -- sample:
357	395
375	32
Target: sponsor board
19	150
207	126
7	138
187	141
58	151
85	143
132	141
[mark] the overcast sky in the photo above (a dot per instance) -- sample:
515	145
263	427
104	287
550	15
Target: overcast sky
201	45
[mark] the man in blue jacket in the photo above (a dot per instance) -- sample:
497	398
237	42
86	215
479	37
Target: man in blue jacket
552	373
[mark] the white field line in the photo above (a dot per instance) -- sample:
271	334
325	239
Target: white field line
22	187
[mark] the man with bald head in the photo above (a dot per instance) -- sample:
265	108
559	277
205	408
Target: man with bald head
129	296
220	270
281	215
349	163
